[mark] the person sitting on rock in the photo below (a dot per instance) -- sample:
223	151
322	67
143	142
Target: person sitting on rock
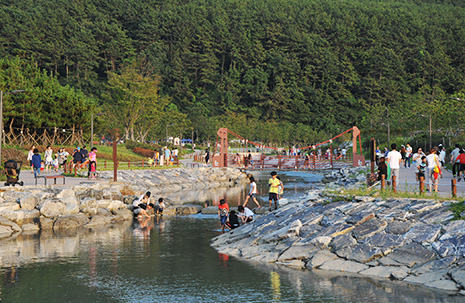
233	220
160	207
245	214
143	200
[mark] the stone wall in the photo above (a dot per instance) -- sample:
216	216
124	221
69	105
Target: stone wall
29	209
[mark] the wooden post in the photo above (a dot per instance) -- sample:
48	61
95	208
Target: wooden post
279	161
142	163
331	155
373	155
383	182
296	162
454	187
115	161
105	163
422	184
314	162
262	158
394	184
129	164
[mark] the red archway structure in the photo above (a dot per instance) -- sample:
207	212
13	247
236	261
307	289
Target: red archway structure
220	158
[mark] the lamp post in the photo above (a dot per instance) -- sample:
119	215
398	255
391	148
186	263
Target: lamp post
92	129
1	116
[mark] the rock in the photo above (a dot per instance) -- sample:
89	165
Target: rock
5	222
369	228
210	210
400	274
443	285
13	196
252	251
71	204
453	228
434	265
427	277
293	263
52	208
440	215
66	193
297	252
459	276
342	241
320	257
321	241
21	216
46	223
398	227
5	231
382	271
408	255
188	209
452	246
9	207
123	214
360	253
423	233
70	221
99	220
343	266
28	202
110	204
295	227
30	228
384	240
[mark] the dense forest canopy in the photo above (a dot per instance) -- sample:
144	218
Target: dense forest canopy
272	70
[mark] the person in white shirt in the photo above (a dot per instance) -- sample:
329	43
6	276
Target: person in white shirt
252	193
433	160
453	157
416	159
245	214
394	158
408	156
442	155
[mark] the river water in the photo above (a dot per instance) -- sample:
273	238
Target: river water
170	260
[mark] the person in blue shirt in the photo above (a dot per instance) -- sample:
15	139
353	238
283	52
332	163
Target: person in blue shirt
36	162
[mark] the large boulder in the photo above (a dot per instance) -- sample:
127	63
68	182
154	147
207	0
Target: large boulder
344	266
188	209
110	204
52	208
408	255
46	223
22	217
12	206
70	221
99	220
28	202
5	222
122	214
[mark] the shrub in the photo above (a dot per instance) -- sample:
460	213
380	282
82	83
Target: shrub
143	151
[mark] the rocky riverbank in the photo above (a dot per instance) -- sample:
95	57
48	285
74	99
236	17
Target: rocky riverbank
29	209
411	240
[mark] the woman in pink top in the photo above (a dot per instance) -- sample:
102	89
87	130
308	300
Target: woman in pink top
92	162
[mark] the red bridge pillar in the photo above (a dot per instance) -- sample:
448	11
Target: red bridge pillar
221	160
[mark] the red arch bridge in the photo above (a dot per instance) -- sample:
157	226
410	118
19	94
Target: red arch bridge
280	161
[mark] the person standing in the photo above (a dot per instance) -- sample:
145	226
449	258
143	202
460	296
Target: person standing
252	193
92	162
408	156
29	157
394	158
453	160
433	161
416	159
167	155
48	156
207	155
223	211
461	166
274	183
36	161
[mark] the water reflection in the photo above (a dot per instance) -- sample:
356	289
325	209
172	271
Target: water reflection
170	260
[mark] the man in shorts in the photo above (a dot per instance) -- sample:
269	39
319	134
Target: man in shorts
274	189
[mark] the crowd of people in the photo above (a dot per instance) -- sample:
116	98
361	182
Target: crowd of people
164	156
428	166
54	161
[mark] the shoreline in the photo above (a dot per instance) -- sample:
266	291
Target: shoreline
409	240
31	209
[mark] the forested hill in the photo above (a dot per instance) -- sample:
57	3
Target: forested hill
327	64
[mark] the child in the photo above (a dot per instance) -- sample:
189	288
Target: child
252	193
245	213
223	210
160	206
233	220
382	168
55	163
36	162
422	168
92	162
280	188
461	162
274	189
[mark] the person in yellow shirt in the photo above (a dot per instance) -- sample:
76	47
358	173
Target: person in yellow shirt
274	184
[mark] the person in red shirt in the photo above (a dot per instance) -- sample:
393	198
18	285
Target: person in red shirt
461	159
223	211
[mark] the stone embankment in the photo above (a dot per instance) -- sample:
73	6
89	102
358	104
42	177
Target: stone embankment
29	209
411	240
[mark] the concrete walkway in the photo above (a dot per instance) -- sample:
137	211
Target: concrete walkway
407	182
28	178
